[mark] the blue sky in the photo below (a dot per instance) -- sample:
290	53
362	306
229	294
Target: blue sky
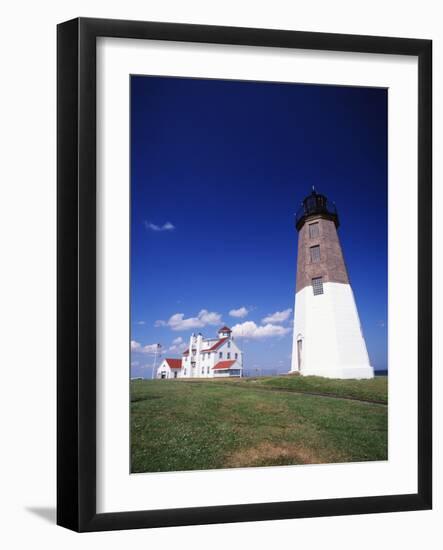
218	169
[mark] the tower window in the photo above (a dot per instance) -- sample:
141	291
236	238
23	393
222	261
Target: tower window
313	230
315	253
317	285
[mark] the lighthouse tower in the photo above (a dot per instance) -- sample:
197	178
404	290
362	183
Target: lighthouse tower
328	339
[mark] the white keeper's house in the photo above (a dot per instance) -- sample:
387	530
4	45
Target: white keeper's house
205	358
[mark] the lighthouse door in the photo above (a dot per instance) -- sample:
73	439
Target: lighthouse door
299	352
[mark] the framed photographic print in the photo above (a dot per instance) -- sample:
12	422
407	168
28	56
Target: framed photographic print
244	274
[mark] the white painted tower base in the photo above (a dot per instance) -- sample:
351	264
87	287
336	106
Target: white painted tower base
328	340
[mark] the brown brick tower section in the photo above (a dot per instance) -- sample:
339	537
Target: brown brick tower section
327	261
319	250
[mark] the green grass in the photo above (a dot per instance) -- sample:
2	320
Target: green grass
375	389
197	425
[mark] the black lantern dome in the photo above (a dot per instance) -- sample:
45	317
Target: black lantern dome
313	205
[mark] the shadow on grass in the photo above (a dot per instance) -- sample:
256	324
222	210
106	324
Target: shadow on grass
136	398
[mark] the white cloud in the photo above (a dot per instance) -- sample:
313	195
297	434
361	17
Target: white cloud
135	346
168	226
240	312
249	329
140	323
178	346
278	316
178	321
209	317
149	349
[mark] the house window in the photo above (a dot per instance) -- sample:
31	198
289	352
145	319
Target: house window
229	344
317	285
220	355
315	254
313	230
203	370
208	371
236	355
184	371
229	355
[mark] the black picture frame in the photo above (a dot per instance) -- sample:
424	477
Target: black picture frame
76	265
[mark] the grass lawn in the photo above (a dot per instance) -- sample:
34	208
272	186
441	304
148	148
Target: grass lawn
204	424
374	390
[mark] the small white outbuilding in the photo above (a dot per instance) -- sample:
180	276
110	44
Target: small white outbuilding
169	368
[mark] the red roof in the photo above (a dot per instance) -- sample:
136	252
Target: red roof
215	346
174	363
225	329
223	365
186	352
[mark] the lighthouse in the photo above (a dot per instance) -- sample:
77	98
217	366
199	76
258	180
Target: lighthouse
328	340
